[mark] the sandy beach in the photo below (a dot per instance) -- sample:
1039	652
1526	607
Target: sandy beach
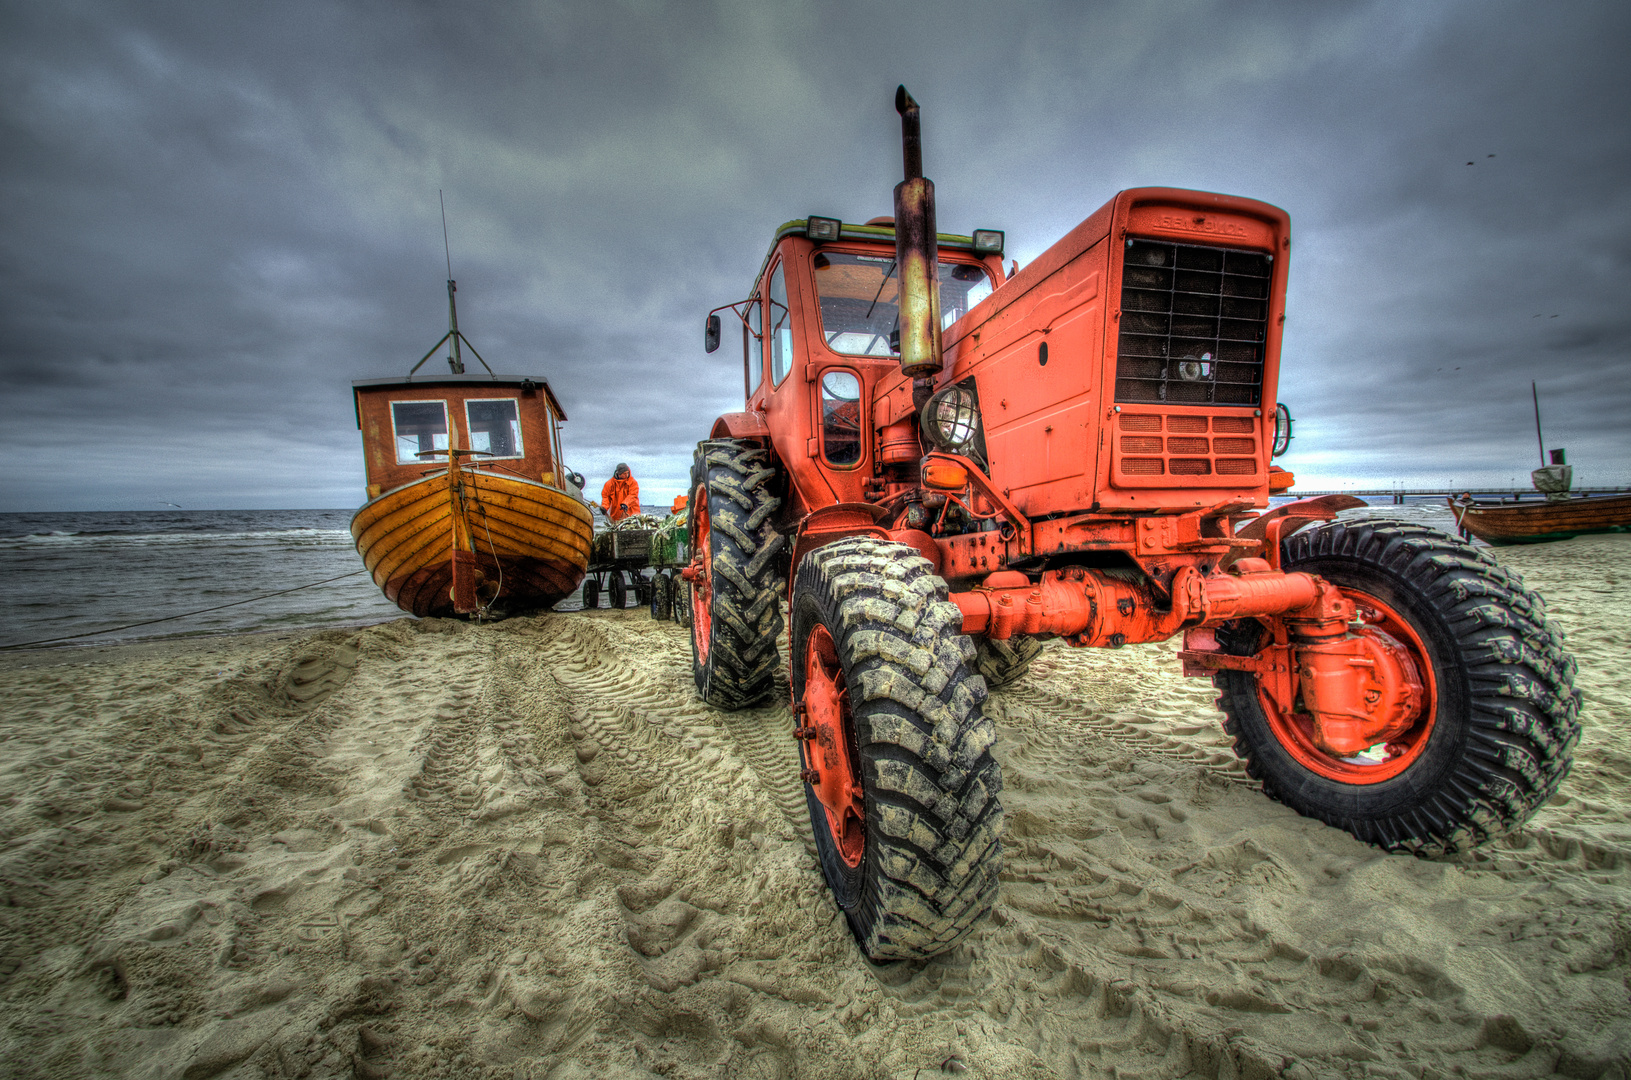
526	851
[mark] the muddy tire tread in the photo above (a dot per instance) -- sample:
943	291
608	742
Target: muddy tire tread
934	819
747	617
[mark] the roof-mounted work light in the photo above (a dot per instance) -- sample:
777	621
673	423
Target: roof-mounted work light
988	241
822	228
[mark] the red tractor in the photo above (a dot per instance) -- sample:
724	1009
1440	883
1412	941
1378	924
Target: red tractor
939	466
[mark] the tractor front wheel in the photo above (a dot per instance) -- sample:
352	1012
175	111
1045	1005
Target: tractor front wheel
1499	717
735	602
899	778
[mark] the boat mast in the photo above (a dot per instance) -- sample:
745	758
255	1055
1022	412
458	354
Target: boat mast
1533	393
456	362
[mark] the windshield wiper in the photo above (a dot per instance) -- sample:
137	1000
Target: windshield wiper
887	274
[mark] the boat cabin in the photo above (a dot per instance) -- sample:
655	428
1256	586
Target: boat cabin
514	421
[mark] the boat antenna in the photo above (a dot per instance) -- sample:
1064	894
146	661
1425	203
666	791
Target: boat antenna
456	361
1535	394
447	251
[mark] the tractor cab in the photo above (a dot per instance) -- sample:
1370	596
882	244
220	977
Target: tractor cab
821	335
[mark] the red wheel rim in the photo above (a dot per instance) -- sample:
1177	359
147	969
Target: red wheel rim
827	753
702	589
1295	731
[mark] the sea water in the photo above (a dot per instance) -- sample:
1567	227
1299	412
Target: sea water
72	573
95	574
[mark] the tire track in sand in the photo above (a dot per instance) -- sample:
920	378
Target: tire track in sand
1055	717
643	720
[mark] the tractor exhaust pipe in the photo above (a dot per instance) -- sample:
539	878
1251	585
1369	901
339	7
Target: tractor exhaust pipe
917	253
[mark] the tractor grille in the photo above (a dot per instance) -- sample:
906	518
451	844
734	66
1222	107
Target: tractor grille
1192	324
1185	445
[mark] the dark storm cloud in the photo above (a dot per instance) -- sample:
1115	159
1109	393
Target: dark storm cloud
217	216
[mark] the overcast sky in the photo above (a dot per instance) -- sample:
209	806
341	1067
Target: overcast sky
217	215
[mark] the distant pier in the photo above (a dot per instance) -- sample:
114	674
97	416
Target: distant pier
1399	495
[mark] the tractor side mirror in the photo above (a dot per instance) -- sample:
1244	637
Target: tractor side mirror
711	338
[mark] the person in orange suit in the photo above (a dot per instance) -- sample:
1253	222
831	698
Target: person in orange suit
679	503
620	496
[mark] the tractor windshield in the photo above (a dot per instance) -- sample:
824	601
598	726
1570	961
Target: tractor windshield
860	297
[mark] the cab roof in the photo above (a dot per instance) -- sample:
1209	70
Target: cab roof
873	233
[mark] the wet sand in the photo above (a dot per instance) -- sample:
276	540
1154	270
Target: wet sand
525	850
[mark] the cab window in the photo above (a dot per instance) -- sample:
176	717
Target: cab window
494	426
755	346
841	417
420	427
860	300
781	328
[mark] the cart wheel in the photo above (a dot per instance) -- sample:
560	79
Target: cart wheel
662	596
682	602
619	591
591	592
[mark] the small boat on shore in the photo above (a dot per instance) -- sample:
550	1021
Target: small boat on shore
1556	516
1538	521
469	509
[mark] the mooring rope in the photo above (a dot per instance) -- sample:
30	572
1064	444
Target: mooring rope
183	615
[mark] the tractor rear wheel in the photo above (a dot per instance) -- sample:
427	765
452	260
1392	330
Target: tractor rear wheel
1001	662
619	592
591	592
661	597
735	600
899	778
1500	717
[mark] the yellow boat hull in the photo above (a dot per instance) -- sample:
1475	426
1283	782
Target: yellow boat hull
531	542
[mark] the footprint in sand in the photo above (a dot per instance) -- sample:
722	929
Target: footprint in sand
322	671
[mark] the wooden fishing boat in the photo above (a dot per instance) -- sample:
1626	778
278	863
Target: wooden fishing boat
1556	516
469	509
1536	521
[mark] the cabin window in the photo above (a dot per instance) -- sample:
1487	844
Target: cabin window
781	328
420	426
755	347
495	427
841	417
860	300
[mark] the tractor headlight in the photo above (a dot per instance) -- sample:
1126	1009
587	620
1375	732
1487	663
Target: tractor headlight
951	418
1193	370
